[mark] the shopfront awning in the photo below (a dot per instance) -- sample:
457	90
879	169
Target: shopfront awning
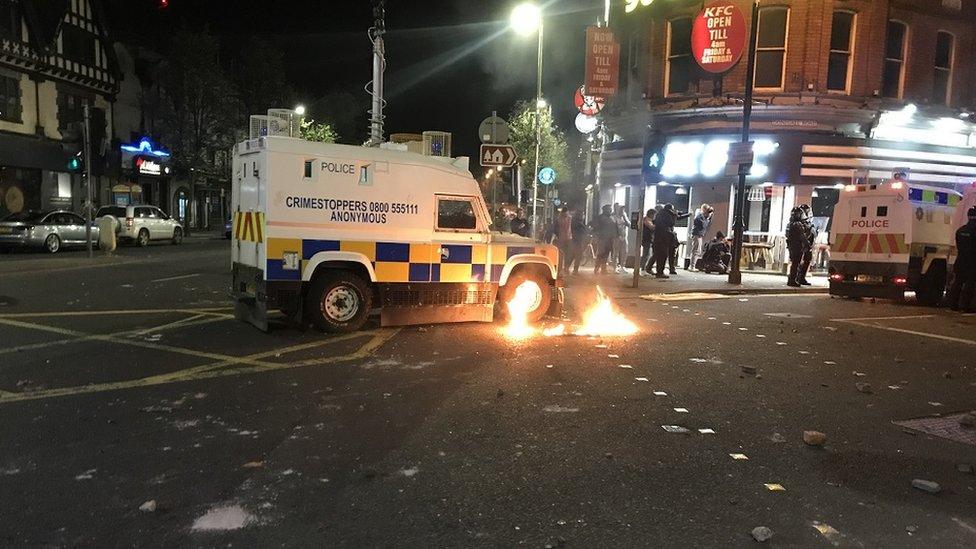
24	151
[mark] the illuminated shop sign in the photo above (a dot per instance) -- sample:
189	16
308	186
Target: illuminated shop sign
687	159
631	5
145	146
148	166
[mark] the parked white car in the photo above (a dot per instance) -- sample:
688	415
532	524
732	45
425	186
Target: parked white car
142	224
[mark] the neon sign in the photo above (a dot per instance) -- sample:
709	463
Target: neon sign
631	5
145	147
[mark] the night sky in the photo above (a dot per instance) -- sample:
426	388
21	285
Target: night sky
449	62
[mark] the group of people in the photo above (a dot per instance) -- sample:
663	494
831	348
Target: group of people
801	234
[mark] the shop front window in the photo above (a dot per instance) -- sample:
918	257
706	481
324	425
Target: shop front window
679	63
944	50
841	51
771	47
894	67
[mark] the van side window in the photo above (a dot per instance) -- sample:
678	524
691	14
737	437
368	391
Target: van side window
308	169
864	211
455	213
882	211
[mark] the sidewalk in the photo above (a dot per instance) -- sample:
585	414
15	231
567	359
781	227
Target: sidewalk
620	285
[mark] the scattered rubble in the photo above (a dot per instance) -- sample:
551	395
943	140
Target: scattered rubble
751	370
926	486
864	388
968	421
761	534
814	438
148	507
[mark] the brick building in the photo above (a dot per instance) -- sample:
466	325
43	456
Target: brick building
843	88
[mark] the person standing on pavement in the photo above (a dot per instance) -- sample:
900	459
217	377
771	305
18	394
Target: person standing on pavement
563	232
605	233
665	239
810	231
960	295
699	226
520	225
797	239
580	237
647	241
620	245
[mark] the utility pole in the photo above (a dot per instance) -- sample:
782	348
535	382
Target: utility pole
738	225
538	137
376	33
88	177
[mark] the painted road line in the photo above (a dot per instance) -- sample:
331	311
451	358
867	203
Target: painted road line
377	340
911	332
867	318
130	342
181	277
184	323
216	311
174	324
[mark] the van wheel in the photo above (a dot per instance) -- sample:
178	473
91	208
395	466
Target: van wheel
338	301
177	235
932	286
52	244
538	290
143	238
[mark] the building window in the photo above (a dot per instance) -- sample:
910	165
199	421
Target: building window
943	68
71	109
78	44
677	76
841	51
10	107
771	47
894	67
10	19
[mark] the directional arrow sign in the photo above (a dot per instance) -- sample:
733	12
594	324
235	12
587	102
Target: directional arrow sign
497	156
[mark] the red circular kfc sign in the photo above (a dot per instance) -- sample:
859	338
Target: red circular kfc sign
718	37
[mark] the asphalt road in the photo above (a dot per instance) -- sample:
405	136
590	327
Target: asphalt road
127	381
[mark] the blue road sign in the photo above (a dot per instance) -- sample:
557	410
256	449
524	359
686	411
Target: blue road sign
547	176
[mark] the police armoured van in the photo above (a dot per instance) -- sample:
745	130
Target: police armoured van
892	237
326	233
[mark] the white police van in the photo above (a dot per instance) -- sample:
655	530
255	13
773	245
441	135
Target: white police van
326	233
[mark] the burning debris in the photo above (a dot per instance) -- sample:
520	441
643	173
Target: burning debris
603	319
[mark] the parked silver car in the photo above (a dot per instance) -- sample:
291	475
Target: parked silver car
48	230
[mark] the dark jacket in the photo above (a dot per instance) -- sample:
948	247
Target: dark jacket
797	237
580	230
700	225
966	248
664	225
605	227
520	226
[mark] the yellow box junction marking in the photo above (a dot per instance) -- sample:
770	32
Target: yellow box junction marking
223	365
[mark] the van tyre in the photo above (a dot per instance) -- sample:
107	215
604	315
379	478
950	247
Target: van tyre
142	239
52	244
177	235
542	291
338	302
932	286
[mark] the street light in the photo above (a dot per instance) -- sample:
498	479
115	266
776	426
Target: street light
300	110
525	20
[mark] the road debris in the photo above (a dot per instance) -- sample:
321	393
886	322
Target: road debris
226	517
706	431
828	532
253	465
409	472
777	438
625	366
557	409
148	507
968	421
864	388
761	534
675	429
660	393
644	379
814	438
926	486
739	456
750	370
774	487
681	410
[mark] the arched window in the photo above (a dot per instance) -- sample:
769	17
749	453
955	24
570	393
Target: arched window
896	44
944	53
678	63
771	47
841	51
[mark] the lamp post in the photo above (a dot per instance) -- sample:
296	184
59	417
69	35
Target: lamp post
525	20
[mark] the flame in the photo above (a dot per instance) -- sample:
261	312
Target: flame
518	311
555	331
604	319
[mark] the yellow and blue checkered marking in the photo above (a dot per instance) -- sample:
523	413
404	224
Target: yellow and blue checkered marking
408	261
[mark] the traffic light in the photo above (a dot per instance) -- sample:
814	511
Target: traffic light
74	164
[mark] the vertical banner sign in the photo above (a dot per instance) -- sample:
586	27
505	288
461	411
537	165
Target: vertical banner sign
602	62
718	37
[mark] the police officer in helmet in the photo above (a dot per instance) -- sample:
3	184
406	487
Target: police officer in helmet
810	232
797	239
964	273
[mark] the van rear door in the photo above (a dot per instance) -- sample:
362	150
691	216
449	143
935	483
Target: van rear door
875	229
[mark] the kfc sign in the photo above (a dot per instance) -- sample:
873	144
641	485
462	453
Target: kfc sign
718	37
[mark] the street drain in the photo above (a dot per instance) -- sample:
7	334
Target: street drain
944	427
